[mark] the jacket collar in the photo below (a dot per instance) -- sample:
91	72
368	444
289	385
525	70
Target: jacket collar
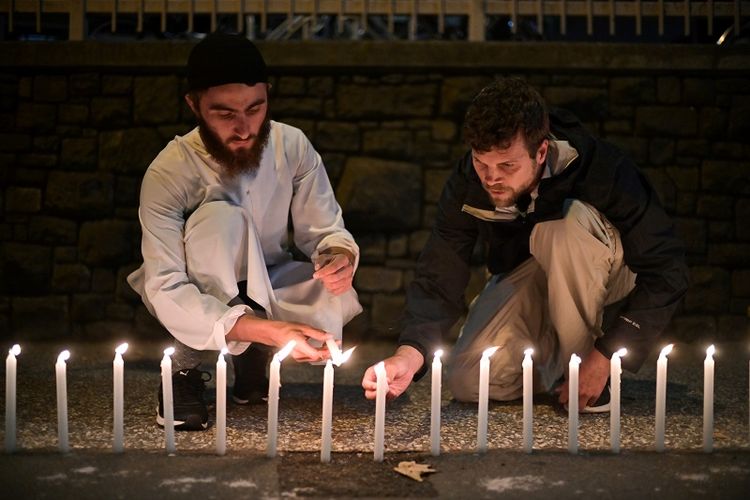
560	155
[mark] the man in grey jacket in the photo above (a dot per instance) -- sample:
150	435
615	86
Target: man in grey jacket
582	257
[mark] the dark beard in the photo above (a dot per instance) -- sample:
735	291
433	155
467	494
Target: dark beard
244	160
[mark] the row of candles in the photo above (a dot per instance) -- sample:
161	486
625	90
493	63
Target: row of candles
337	358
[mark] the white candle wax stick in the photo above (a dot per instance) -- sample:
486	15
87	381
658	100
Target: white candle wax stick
528	401
168	403
661	397
573	403
62	401
484	390
10	398
325	438
708	400
381	392
118	367
615	372
436	394
274	384
221	403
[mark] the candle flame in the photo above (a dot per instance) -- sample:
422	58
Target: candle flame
528	352
345	356
490	351
333	348
286	350
438	354
380	370
224	351
575	359
15	350
64	356
169	351
621	352
667	349
710	351
122	348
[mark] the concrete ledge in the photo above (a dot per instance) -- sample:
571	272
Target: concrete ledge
401	56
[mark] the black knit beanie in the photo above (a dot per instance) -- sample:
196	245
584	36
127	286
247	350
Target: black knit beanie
221	58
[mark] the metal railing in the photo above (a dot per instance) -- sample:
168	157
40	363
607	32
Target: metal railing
303	17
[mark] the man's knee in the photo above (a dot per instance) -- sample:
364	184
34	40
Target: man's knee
505	379
463	379
217	218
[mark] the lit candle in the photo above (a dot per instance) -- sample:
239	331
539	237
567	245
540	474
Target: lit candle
708	400
118	366
274	383
661	396
615	370
381	392
62	401
221	403
573	403
437	373
484	391
528	400
328	373
166	387
10	398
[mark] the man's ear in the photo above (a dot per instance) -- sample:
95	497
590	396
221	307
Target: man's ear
192	103
541	153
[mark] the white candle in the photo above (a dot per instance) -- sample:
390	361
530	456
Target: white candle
615	371
118	367
437	373
221	403
573	403
708	400
381	392
484	391
166	386
274	383
325	439
661	396
528	400
10	398
328	375
62	401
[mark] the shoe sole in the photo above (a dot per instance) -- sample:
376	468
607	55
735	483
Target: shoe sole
191	424
241	401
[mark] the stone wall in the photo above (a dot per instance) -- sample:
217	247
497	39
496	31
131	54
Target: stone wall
79	124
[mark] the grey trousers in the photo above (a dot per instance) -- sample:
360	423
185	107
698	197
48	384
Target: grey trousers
553	302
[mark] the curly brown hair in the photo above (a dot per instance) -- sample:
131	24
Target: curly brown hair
503	109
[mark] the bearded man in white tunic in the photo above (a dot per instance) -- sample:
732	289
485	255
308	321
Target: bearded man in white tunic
216	208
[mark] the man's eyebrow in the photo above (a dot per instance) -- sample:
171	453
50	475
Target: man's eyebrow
224	107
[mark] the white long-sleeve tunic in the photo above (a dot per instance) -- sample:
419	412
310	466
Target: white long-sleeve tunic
290	181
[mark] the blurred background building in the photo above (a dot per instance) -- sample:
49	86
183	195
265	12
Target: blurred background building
91	91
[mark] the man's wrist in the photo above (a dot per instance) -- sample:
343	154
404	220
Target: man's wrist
340	250
413	357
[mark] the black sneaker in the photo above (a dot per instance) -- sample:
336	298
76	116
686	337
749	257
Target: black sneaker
190	412
602	404
250	381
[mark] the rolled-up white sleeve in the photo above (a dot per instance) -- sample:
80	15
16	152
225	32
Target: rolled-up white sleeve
198	320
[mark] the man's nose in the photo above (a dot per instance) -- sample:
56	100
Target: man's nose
242	127
493	176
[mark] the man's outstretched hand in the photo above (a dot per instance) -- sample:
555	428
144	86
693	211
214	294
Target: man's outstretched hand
277	334
592	377
399	368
